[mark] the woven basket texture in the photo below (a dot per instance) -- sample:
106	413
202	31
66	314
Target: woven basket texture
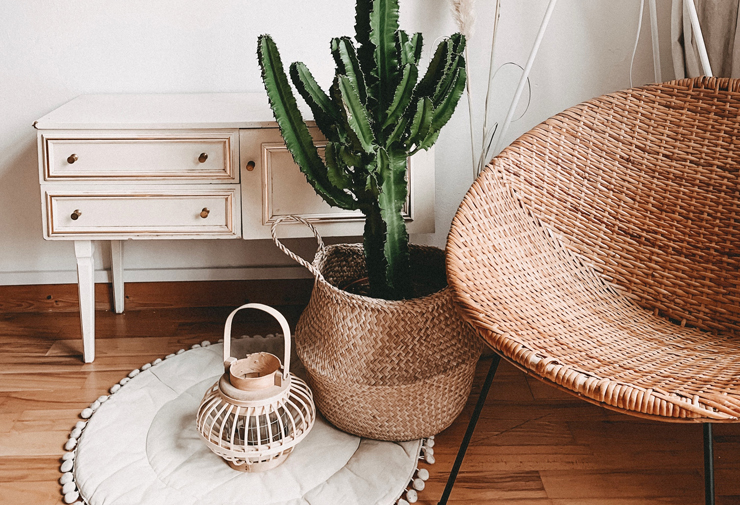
600	252
387	370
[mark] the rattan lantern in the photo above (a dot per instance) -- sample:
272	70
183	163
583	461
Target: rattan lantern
257	412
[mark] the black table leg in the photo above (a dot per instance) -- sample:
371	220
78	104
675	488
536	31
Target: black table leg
470	430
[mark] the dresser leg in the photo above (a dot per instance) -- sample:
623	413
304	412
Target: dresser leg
116	253
86	285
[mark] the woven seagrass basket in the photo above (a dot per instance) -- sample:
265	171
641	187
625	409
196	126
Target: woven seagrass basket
387	370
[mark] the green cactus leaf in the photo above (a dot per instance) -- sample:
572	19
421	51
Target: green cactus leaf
443	112
391	200
435	70
356	114
422	122
409	50
398	133
335	167
325	112
350	158
383	27
347	63
403	94
293	128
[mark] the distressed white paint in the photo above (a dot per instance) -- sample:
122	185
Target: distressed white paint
54	50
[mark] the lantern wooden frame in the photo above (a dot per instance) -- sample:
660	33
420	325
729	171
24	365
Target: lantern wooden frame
257	412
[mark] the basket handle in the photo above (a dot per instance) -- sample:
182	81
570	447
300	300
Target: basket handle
274	313
310	266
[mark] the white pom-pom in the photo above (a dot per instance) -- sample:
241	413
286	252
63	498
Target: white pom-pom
431	437
418	484
75	433
429	442
133	373
147	366
269	335
428	451
156	361
195	346
66	477
95	405
423	474
180	351
68	488
169	356
401	501
124	381
103	398
68	456
67	466
85	414
114	389
71	444
429	459
412	496
81	425
71	497
205	343
220	341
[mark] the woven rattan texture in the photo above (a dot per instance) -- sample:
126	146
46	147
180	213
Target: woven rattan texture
390	370
601	250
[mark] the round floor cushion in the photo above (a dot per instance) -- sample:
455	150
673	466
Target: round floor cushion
141	446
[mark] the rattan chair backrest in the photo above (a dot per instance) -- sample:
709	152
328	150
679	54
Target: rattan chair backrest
645	185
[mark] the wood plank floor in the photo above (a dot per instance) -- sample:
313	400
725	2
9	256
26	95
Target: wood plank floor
534	445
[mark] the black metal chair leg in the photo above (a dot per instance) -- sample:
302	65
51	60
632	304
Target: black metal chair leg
708	465
470	430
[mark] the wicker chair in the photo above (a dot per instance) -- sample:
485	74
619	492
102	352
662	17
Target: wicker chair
600	252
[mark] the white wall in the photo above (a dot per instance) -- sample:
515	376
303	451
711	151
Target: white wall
54	50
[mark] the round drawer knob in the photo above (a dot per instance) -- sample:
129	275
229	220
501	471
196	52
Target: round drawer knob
72	158
250	166
204	213
203	157
76	215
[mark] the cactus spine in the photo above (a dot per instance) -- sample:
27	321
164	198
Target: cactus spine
375	115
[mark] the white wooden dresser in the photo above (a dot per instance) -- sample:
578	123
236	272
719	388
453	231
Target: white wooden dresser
187	166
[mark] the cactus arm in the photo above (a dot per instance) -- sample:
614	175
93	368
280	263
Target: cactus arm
336	167
357	116
392	196
293	128
347	64
383	27
403	94
325	113
421	123
434	71
443	112
397	134
456	60
409	50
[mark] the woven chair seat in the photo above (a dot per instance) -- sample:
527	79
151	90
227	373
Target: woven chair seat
600	252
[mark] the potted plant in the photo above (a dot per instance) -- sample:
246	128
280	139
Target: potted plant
375	115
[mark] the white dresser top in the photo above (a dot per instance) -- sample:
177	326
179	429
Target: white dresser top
163	111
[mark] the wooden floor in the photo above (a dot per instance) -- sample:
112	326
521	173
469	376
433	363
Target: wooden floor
533	445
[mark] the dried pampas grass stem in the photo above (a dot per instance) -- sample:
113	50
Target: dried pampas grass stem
464	14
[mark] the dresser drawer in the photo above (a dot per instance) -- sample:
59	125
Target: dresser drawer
184	156
142	212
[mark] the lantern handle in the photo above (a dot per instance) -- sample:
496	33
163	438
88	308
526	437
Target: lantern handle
274	313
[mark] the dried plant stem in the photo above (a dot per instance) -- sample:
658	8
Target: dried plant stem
470	116
481	162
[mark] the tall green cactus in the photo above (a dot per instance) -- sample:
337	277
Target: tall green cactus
374	116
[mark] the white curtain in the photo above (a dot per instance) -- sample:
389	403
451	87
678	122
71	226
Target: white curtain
719	21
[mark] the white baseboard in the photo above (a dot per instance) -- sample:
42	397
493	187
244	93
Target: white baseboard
158	275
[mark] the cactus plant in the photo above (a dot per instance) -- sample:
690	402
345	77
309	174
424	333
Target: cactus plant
374	116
